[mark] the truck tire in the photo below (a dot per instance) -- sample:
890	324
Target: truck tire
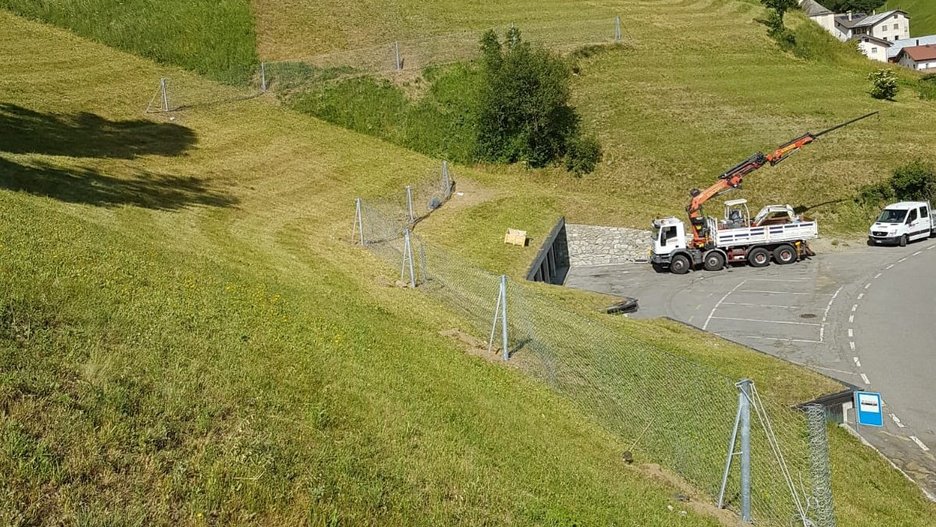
759	257
784	254
713	261
903	241
679	264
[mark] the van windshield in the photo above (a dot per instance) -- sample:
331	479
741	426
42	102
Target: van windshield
892	216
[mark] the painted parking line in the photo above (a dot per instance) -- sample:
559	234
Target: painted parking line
857	361
782	339
919	443
778	280
758	305
712	312
896	421
918	253
781	292
864	378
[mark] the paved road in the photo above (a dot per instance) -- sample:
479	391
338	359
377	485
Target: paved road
866	316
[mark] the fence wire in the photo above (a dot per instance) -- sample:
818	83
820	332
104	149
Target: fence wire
667	408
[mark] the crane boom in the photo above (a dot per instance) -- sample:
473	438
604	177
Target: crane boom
733	177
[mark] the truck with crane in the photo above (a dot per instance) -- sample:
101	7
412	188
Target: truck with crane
776	232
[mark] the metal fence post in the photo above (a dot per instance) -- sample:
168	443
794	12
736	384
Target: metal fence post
164	91
820	469
617	29
408	258
397	62
744	402
358	226
446	181
263	84
503	292
409	204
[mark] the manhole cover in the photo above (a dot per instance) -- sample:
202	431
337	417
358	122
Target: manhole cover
807	315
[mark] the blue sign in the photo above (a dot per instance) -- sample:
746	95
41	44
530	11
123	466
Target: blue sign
868	407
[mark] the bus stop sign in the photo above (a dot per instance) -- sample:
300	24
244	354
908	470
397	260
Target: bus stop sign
868	405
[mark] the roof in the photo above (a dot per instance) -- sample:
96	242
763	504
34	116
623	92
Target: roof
906	205
843	20
813	8
733	202
863	20
876	40
898	45
919	53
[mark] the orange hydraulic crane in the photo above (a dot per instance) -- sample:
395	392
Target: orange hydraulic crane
732	178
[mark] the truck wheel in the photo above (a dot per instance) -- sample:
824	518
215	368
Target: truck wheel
679	264
903	241
713	261
785	254
759	257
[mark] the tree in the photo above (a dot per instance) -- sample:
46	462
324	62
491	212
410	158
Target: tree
857	6
774	21
524	112
883	84
780	6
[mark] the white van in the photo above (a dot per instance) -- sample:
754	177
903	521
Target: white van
903	222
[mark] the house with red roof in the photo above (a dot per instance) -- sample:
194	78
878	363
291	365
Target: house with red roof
920	58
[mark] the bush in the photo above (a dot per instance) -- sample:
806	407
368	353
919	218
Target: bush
915	181
883	84
927	87
582	155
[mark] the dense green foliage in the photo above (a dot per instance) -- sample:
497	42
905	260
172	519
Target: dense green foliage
211	37
915	181
856	6
883	84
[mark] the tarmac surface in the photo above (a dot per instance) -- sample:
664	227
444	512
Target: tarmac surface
863	315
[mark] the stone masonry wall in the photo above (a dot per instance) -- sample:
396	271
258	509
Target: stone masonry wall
596	245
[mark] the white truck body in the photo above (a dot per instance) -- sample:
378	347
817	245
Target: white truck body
767	234
903	222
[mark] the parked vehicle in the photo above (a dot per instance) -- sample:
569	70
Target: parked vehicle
904	222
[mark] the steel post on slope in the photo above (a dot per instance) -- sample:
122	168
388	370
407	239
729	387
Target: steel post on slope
744	401
503	292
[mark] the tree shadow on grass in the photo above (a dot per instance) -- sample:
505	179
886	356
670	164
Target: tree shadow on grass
90	186
24	131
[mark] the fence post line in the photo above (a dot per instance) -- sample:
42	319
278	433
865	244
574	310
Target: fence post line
164	91
409	204
821	472
358	221
263	85
503	292
398	64
497	312
744	400
617	29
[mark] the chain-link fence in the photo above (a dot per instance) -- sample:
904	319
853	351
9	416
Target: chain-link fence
669	409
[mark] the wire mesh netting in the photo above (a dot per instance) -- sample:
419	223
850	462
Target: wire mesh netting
671	410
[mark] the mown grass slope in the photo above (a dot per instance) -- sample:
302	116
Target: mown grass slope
213	38
922	15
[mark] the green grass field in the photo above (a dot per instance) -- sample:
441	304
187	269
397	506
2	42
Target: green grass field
186	338
922	15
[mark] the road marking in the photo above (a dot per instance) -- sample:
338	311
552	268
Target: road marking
904	259
780	292
767	321
843	372
854	307
869	283
860	296
777	279
851	333
891	266
865	379
919	443
784	339
931	247
712	312
851	318
851	344
897	421
918	253
877	276
857	362
757	305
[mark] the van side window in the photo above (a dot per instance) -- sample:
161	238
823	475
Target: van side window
923	212
912	217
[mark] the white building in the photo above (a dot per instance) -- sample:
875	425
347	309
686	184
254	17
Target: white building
918	57
875	33
874	48
898	45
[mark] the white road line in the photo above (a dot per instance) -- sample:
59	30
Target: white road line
860	296
767	321
851	333
891	266
784	339
757	305
780	292
825	314
868	285
777	279
918	253
904	259
854	307
851	318
896	421
712	312
919	443
857	361
931	247
851	344
843	372
864	378
877	276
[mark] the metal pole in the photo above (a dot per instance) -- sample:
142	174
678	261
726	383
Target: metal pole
396	54
358	221
731	453
409	204
408	258
504	319
617	29
165	93
263	86
745	407
497	310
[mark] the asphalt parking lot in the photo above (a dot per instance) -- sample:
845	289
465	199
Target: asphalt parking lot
863	315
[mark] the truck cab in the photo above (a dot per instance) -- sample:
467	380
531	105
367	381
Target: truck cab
669	237
903	222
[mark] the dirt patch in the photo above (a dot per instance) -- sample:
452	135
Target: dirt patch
687	497
473	345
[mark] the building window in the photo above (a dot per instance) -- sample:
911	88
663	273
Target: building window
895	27
873	49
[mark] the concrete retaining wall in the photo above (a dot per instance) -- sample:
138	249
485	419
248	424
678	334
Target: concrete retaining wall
596	245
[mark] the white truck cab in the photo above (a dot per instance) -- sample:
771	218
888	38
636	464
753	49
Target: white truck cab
903	222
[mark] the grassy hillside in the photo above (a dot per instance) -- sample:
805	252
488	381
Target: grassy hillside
186	339
922	15
214	38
